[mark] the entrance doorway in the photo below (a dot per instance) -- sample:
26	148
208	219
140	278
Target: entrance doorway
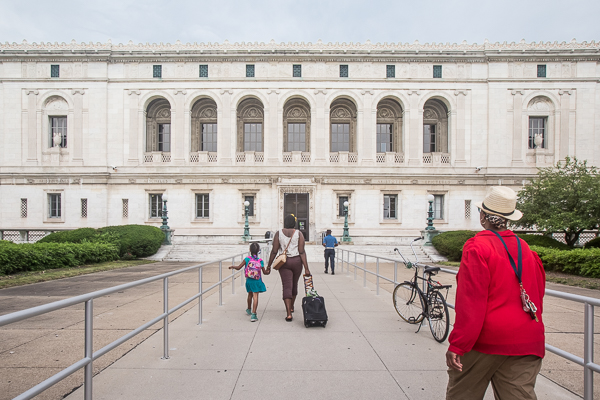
297	204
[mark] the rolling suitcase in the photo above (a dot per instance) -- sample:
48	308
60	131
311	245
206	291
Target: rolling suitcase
313	306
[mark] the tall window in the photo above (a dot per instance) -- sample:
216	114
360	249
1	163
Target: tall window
438	206
250	199
343	125
390	206
203	71
296	137
250	116
204	125
202	205
58	131
343	71
54	205
541	71
340	137
54	71
164	137
157	71
384	138
429	138
250	71
155	205
390	71
297	71
437	71
253	136
341	201
537	133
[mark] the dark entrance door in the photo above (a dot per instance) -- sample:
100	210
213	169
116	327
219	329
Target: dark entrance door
297	204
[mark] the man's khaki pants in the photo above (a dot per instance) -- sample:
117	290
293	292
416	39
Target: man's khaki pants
512	377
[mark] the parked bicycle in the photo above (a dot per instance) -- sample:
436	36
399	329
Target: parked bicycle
415	305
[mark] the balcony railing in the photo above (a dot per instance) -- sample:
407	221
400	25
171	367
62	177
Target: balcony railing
343	157
296	157
203	157
249	157
157	157
389	158
436	158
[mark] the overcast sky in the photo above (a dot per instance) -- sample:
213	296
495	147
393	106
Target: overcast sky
403	21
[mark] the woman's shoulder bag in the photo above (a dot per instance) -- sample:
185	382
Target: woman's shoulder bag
282	258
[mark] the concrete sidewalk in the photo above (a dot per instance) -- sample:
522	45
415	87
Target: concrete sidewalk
366	351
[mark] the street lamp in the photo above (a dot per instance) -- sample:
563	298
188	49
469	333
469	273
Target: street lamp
246	236
430	227
164	227
346	236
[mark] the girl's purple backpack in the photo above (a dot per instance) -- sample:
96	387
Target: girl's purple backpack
253	268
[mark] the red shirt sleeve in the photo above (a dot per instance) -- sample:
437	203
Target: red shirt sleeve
471	298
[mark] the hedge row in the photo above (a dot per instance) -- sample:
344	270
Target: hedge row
41	256
584	262
131	240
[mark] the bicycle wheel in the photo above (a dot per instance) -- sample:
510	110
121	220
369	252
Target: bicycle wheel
408	303
439	320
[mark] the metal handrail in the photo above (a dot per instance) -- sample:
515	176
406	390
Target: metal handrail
587	362
87	361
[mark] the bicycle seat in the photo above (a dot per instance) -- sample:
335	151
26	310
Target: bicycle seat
431	270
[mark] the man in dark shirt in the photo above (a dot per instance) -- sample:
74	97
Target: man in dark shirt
330	243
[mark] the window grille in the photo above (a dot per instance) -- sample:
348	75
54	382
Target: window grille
467	209
541	71
341	201
125	208
437	71
296	140
209	137
390	206
297	71
253	137
384	138
340	137
157	71
156	205
55	71
23	208
58	127
537	128
202	205
84	208
204	71
250	71
343	71
438	206
250	199
390	71
54	205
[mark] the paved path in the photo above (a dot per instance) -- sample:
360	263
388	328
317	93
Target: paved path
366	351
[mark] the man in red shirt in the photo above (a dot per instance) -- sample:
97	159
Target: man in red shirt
498	335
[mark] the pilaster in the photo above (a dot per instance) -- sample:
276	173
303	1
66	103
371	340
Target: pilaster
77	131
31	126
178	134
367	132
517	143
415	126
459	158
226	125
134	130
320	129
565	146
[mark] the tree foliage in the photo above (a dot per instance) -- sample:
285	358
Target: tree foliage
563	198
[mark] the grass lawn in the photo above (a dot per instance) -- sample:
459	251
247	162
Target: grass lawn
556	277
25	278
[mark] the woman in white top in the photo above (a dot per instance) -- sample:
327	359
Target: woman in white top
296	258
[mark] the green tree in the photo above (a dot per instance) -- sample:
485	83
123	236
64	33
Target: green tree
563	198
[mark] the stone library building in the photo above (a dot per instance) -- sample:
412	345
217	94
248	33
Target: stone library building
98	134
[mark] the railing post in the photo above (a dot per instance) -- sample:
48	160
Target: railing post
395	273
588	352
242	276
220	283
377	277
200	297
355	264
365	271
233	271
89	348
166	319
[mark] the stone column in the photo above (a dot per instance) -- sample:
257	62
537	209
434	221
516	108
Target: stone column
134	130
320	129
459	157
517	144
31	132
76	137
178	136
226	125
273	139
414	119
367	134
565	99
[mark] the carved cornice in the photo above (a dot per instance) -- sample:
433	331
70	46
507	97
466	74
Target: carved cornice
459	92
130	92
365	92
276	91
78	91
178	91
229	91
415	92
515	92
569	92
30	91
323	91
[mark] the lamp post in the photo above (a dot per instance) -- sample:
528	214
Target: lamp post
246	236
346	236
430	227
164	227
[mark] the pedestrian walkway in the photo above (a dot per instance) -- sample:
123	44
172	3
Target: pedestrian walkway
366	351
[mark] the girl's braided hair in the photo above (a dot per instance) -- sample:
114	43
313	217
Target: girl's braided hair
254	248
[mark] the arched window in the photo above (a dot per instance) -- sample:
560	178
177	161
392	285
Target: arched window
389	126
250	119
204	126
56	108
158	126
435	127
539	110
296	125
343	126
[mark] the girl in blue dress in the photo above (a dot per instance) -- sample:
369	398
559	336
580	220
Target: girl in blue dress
254	268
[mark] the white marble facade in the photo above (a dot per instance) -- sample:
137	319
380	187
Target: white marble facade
493	121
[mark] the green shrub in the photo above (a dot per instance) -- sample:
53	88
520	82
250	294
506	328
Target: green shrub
543	241
42	256
593	244
137	240
450	244
584	262
74	236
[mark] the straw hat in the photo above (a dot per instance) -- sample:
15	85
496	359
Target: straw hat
501	201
